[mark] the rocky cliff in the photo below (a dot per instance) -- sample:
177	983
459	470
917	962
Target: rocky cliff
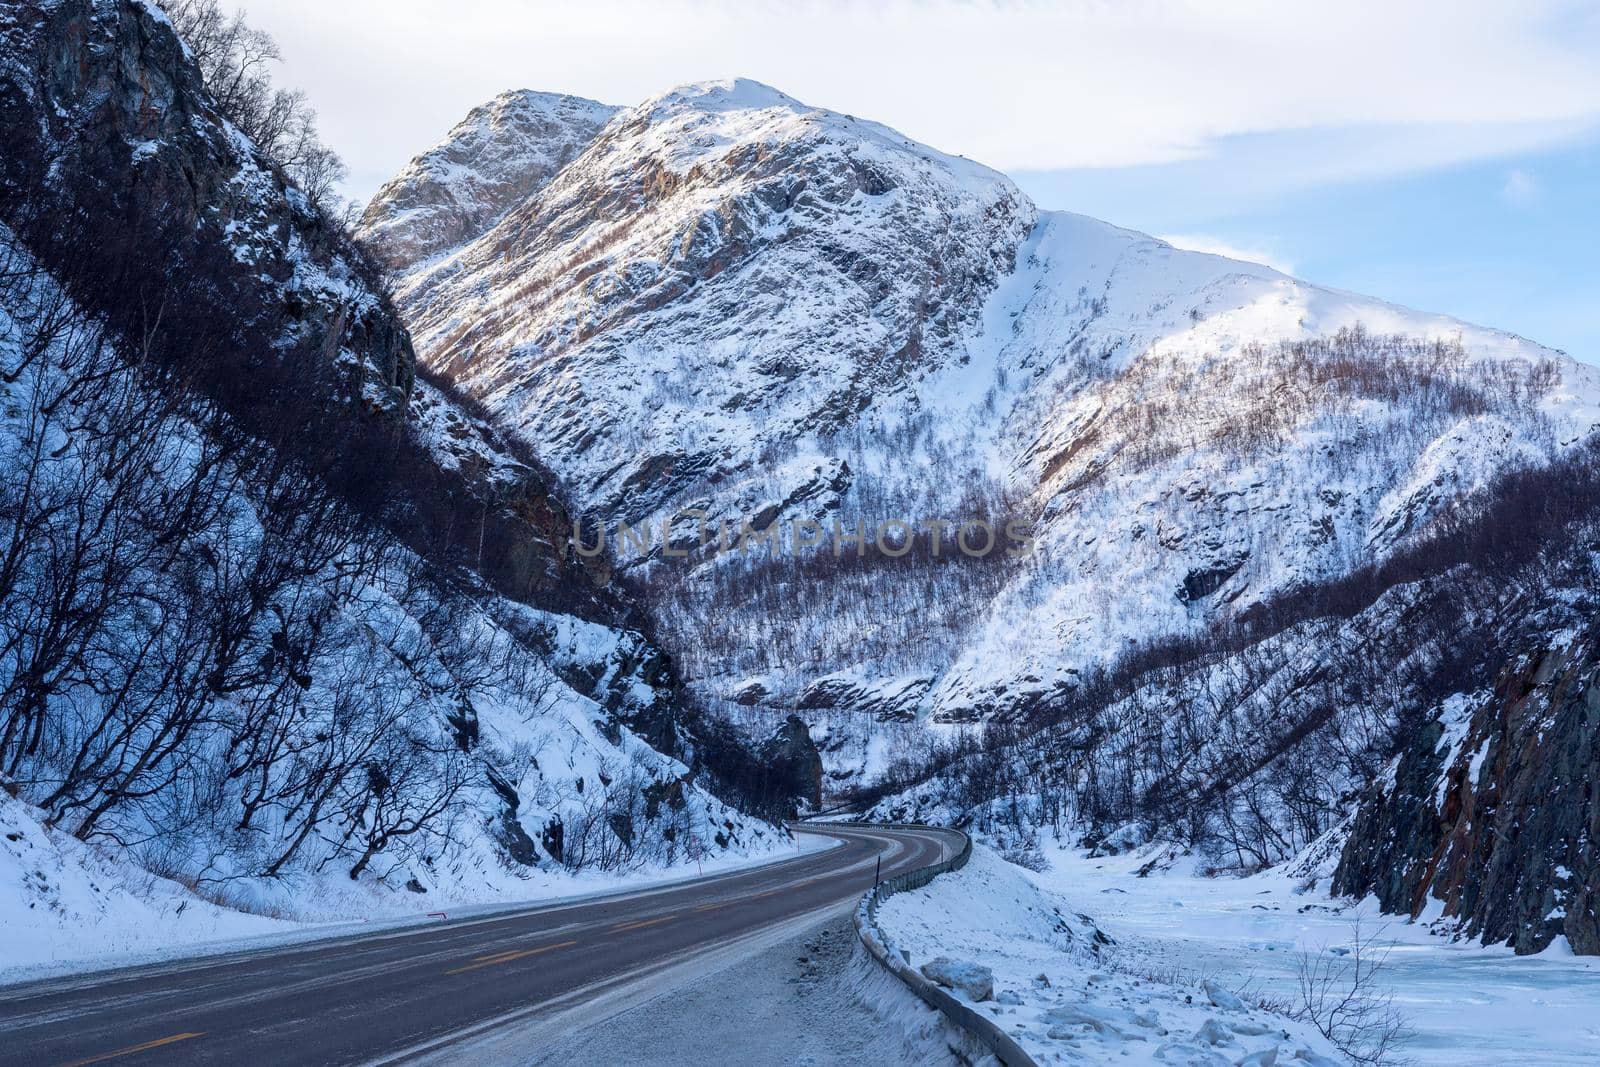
794	762
100	99
1490	817
108	118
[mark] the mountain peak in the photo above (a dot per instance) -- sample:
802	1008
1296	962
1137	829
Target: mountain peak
530	102
502	152
809	231
726	94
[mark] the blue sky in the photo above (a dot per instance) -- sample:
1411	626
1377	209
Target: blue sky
1441	155
1511	241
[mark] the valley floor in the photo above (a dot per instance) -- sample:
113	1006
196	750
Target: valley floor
1466	1004
1178	936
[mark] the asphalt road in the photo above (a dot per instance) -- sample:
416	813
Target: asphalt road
409	995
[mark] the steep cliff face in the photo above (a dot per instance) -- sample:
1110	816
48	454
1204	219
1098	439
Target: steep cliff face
508	523
489	163
100	97
794	762
108	117
721	270
1491	815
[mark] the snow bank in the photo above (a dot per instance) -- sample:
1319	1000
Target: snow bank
67	906
62	900
1068	993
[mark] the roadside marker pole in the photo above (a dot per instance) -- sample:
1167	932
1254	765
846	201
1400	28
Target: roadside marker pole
877	872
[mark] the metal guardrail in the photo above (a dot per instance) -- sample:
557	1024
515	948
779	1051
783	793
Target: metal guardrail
982	1028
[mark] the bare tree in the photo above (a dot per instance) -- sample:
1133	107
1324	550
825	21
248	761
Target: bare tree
236	61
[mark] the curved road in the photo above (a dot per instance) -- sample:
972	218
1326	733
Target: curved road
410	995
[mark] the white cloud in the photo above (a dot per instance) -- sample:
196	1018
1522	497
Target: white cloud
1217	246
1014	84
1521	189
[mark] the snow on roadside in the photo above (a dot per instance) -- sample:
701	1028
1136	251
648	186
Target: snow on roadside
68	907
1070	994
61	899
803	992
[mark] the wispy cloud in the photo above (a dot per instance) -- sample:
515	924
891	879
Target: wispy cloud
1025	85
1521	189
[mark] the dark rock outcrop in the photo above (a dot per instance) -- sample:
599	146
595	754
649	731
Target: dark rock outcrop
1493	808
107	121
892	700
100	102
1201	582
793	763
517	532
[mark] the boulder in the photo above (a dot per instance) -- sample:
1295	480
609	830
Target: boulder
1212	1032
1221	996
972	980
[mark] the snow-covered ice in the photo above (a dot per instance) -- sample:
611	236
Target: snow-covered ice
1183	946
1466	1004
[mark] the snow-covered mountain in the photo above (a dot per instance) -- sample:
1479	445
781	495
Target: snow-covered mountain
489	163
732	302
1421	732
721	269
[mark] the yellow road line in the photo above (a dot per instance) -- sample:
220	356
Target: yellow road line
131	1049
643	923
711	907
507	957
496	957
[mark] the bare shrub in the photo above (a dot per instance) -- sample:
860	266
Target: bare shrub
1339	994
1027	856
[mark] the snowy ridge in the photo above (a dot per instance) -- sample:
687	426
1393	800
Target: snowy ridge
1191	460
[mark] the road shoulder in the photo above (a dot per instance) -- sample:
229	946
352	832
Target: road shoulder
798	993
